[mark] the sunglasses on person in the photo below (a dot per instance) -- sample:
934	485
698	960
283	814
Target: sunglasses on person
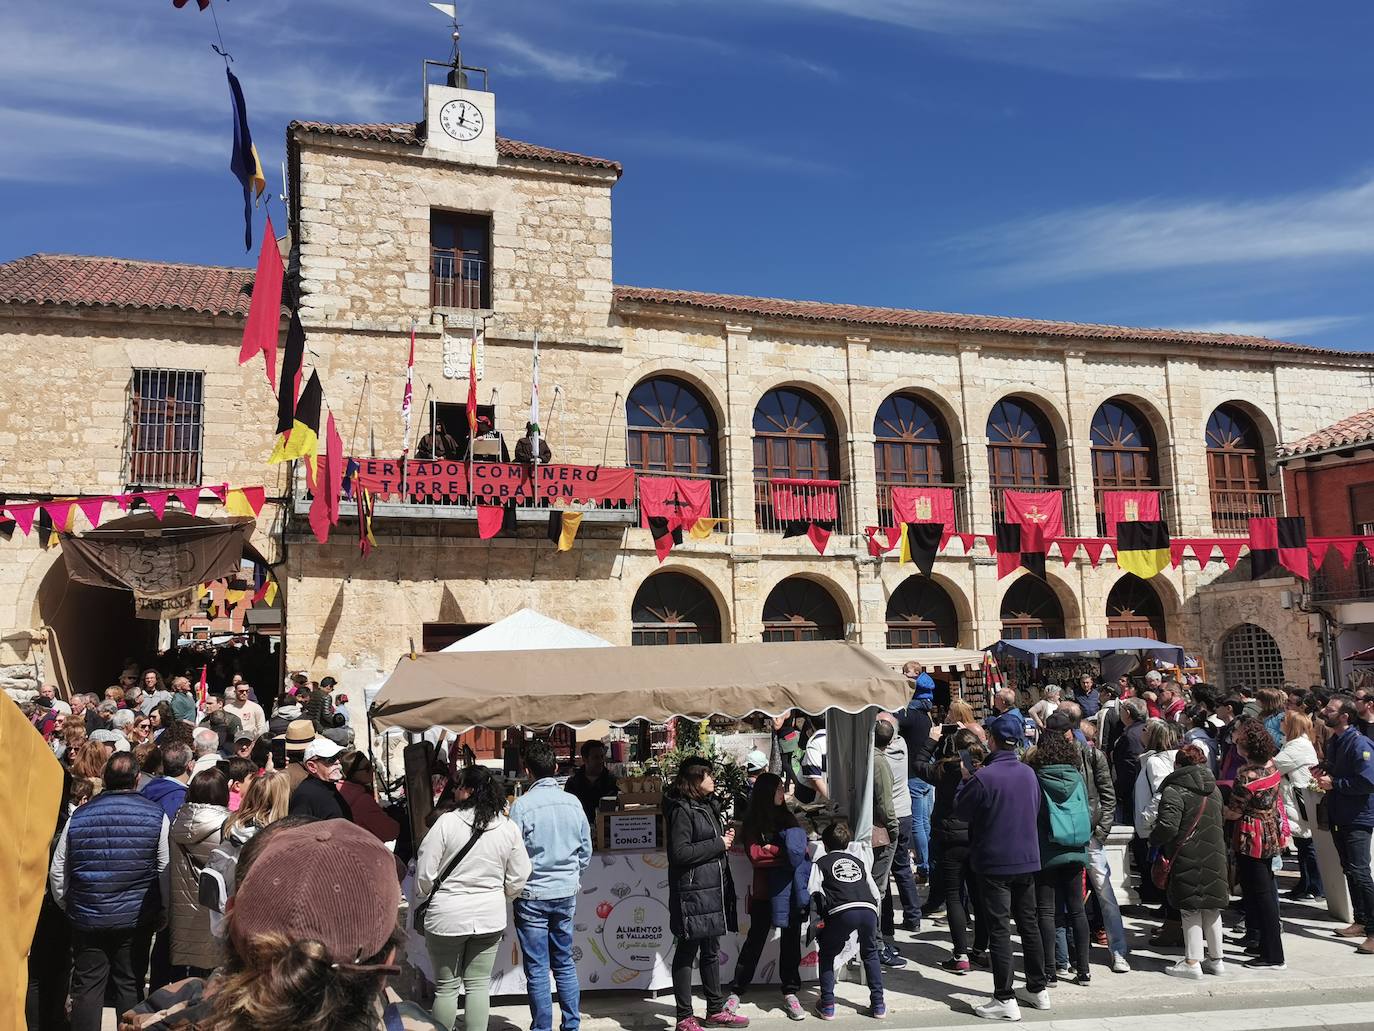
144	725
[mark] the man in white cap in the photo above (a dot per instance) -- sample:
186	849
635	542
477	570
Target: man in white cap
318	795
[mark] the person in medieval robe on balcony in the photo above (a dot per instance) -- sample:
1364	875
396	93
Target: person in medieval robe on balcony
438	444
524	447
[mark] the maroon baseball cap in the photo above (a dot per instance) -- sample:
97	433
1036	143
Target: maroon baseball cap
329	881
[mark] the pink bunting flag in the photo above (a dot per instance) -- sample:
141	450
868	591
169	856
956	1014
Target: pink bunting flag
990	539
967	539
157	501
124	501
1092	547
1230	550
1345	548
189	498
61	512
1068	548
1201	549
23	516
92	509
219	490
1317	549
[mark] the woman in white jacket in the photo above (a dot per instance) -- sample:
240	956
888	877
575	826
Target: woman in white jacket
1295	761
1161	741
466	915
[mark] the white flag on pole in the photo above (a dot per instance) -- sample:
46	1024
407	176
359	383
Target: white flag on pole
535	431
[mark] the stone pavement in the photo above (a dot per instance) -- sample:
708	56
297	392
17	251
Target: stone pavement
921	994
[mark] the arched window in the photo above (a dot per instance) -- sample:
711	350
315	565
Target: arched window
920	614
1134	610
794	437
800	610
1021	446
670	429
1235	470
1250	659
911	443
1123	448
674	608
1030	611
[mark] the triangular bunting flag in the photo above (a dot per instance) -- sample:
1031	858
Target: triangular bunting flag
1093	547
1230	550
219	490
1344	548
1317	549
157	501
967	539
189	497
1176	550
92	508
63	513
23	518
124	501
244	501
1068	548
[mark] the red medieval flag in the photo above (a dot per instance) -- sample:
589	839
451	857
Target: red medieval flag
489	520
1176	550
1092	547
1230	550
1129	506
1317	548
264	312
925	505
1068	548
967	540
805	500
679	500
819	535
1041	512
324	506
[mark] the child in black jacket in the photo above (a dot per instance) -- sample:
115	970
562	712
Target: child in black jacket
845	899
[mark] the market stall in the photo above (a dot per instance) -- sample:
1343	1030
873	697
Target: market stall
1061	660
621	924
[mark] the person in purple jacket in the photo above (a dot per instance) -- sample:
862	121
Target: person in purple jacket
1001	803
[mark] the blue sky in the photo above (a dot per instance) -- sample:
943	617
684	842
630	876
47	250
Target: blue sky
1146	162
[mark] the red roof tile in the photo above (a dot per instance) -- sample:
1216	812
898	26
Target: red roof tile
1349	432
861	315
407	135
73	279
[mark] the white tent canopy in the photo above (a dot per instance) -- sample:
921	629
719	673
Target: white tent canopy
526	630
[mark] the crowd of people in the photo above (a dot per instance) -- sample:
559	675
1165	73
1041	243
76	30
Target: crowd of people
217	867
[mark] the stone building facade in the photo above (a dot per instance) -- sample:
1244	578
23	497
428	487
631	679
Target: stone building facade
392	229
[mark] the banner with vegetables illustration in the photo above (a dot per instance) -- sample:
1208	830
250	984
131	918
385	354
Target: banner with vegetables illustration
621	937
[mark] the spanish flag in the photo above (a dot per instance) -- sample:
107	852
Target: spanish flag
563	528
302	440
1142	548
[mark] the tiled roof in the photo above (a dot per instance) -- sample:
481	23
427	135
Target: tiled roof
407	134
73	279
862	315
1349	432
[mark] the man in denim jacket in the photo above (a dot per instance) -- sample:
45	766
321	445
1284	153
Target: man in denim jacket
559	842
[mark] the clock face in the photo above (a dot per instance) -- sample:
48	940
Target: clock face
462	119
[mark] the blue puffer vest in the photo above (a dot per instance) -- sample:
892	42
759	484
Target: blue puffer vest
112	844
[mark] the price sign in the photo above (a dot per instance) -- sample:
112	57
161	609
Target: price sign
633	831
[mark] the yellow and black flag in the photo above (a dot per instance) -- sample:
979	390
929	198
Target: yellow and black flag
302	440
1142	548
563	528
290	383
919	543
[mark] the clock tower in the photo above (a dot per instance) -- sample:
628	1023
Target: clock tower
459	121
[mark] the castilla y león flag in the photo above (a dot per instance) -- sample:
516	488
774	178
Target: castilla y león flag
1128	506
1142	547
1280	541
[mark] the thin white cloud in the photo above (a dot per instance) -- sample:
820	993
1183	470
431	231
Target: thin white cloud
68	148
1280	329
536	59
725	153
1157	235
956	17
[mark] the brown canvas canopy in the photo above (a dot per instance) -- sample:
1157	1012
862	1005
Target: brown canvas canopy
576	686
